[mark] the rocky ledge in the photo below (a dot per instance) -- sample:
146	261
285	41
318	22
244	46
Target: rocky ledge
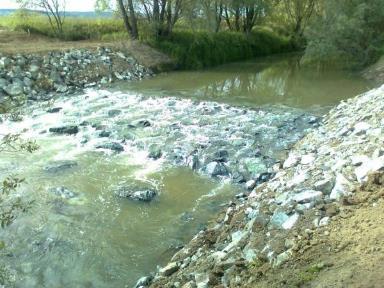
312	186
41	77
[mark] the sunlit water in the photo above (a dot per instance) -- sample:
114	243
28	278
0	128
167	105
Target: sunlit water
97	239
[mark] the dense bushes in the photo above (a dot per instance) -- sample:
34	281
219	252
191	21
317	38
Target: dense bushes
348	33
195	50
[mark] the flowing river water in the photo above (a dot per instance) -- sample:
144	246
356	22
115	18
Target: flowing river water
193	137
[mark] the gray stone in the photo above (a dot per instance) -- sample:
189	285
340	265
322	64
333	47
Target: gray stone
114	146
70	129
325	185
215	169
54	110
154	152
14	89
144	281
114	112
104	134
145	195
60	166
169	269
278	218
63	192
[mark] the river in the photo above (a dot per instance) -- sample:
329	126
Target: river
193	137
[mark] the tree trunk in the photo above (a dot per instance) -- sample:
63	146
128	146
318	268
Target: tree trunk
135	31
123	12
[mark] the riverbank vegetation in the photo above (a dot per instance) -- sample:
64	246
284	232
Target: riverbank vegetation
202	33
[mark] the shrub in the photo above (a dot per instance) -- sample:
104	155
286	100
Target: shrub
196	50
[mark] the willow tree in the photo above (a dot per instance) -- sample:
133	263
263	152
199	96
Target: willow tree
161	15
299	12
243	15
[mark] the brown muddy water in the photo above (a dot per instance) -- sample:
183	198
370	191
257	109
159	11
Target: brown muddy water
90	237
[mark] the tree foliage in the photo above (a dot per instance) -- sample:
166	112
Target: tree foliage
348	32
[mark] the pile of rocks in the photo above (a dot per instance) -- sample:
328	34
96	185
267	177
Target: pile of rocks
309	188
40	77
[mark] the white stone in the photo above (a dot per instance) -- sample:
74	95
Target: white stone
291	161
359	159
342	187
308	196
307	159
324	221
369	166
169	269
297	179
291	221
361	128
202	280
250	184
282	258
249	254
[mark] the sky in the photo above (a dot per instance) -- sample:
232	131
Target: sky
72	5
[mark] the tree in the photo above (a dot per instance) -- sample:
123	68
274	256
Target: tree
299	12
242	15
162	15
54	9
347	32
131	21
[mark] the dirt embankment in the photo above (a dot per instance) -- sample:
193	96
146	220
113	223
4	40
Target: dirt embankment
347	253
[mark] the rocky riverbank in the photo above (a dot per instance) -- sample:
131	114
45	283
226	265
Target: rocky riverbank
43	76
276	221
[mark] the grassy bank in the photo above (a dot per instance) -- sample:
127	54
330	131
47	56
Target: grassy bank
74	29
196	50
189	49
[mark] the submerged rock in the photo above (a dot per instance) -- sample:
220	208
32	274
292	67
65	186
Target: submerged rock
144	195
54	110
71	129
114	146
60	166
63	192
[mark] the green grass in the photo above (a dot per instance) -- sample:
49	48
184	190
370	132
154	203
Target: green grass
189	49
196	50
74	29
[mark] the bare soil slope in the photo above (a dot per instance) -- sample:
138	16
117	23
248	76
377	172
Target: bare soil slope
347	253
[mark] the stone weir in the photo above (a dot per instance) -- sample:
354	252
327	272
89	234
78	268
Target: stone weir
43	76
312	186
